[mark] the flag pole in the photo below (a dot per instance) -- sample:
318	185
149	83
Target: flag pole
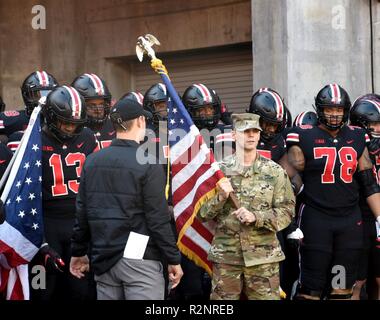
15	162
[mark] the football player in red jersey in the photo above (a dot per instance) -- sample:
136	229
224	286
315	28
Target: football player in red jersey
36	85
65	146
97	98
365	113
335	164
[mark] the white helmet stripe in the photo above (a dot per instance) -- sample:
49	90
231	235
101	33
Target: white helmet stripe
299	119
335	93
163	87
97	83
279	104
375	103
75	101
139	97
46	77
42	78
204	91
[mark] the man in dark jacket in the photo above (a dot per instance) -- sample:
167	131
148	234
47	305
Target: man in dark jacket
122	194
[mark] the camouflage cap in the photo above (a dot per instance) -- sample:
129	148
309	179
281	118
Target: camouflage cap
245	121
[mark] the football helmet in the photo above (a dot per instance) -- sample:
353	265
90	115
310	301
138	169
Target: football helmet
366	109
306	118
268	104
36	85
91	86
134	95
332	95
64	104
198	96
155	94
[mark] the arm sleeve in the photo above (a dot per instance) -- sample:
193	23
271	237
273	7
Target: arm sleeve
283	206
293	138
211	208
157	214
81	232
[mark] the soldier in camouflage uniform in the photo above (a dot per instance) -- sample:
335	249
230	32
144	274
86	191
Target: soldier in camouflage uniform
245	250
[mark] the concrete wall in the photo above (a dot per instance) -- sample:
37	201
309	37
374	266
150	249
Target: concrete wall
92	36
311	43
20	48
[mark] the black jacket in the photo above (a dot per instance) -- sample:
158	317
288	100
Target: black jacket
117	195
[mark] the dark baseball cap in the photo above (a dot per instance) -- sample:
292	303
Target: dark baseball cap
128	109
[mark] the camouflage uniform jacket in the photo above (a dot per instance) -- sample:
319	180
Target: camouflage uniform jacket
265	190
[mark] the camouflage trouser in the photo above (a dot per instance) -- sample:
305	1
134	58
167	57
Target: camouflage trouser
259	282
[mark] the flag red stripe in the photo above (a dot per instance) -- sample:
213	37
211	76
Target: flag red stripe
202	230
4	278
196	249
188	185
185	158
13	258
203	188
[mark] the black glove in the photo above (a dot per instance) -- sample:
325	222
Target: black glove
294	235
51	259
374	148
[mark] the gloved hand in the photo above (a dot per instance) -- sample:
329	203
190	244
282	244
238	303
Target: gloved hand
51	259
374	147
294	238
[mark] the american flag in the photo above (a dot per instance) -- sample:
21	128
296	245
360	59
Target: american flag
21	234
195	174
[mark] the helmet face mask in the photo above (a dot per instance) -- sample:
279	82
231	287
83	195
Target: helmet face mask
61	111
270	129
154	100
97	110
365	113
333	117
94	89
160	110
37	85
204	106
373	129
269	105
329	97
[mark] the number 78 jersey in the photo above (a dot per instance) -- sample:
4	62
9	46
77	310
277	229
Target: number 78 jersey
330	166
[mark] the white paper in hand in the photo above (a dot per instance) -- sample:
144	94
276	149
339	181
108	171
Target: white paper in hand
136	245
